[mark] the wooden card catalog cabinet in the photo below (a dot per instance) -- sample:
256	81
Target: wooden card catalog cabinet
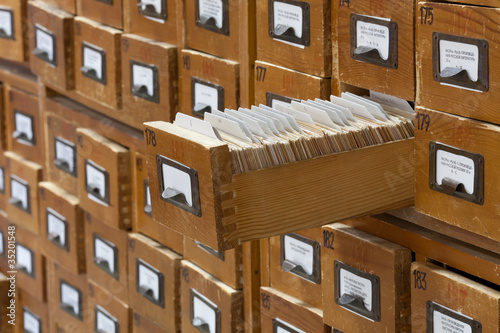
207	82
149	81
22	180
13	42
51	44
459	70
109	12
274	83
296	35
295	265
366	281
104	180
376	46
456	178
207	304
208	203
283	313
62	227
30	264
154	281
97	62
443	301
106	256
25	130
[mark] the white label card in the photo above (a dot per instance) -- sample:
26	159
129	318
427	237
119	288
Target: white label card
106	252
45	42
459	55
6	21
354	285
143	76
299	253
373	36
19	191
157	4
212	8
207	95
2	180
446	324
70	296
65	151
96	178
204	312
148	196
105	323
178	180
24	258
93	59
284	327
287	15
456	167
1	243
31	324
56	226
24	124
149	279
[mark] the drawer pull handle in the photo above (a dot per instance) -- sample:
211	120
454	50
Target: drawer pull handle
209	250
369	52
456	73
140	90
22	268
450	186
54	238
40	53
101	331
147	209
67	307
16	202
201	325
146	291
355	301
175	195
27	331
149	8
3	34
19	135
62	164
200	108
284	30
103	263
94	189
88	71
209	21
289	266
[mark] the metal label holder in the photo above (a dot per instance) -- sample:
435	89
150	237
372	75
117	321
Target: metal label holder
34	316
146	208
170	196
146	292
17	202
142	91
431	307
41	54
32	261
100	262
356	304
372	55
456	189
99	309
3	33
62	164
288	266
270	97
209	23
277	323
2	176
20	136
55	239
90	72
198	109
149	10
460	77
66	307
200	326
218	254
92	190
287	33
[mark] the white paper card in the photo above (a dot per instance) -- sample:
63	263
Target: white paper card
446	324
19	191
65	151
300	253
105	323
44	42
30	323
1	244
150	280
205	312
2	180
143	76
459	55
178	180
207	95
93	59
105	252
212	8
6	21
96	178
355	285
24	124
70	296
148	196
456	167
56	226
373	36
288	15
157	4
24	258
287	328
196	124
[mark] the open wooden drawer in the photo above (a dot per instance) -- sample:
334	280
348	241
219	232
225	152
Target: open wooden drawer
201	198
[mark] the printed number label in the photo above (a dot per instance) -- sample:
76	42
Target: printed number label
186	62
185	274
261	73
328	239
344	3
423	121
419	278
426	15
266	301
150	137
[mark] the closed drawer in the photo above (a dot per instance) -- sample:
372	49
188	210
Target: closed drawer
109	12
33	314
13	41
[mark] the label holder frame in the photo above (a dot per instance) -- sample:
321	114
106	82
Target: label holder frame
315	277
305	40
